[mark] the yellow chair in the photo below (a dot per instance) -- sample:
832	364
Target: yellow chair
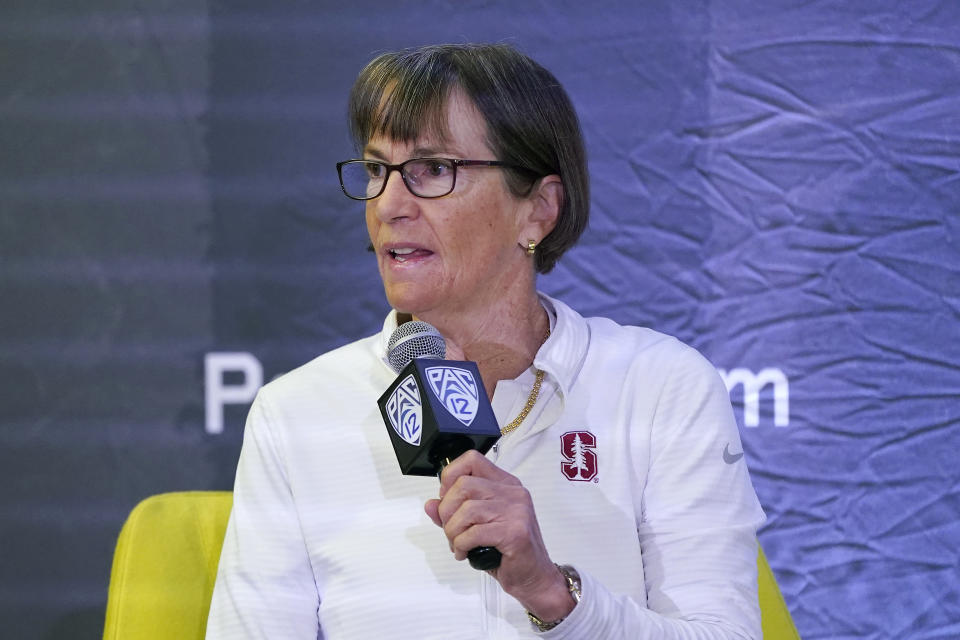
774	615
166	561
165	565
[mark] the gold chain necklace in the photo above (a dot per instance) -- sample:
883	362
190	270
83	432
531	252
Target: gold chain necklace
531	399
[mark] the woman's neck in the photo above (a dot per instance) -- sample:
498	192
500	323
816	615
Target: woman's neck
502	339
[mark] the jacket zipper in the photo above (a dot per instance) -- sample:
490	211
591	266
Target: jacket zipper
489	606
489	589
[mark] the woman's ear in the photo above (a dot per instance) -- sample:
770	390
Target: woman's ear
546	200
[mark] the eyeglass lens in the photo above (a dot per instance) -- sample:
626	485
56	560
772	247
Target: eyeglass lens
425	177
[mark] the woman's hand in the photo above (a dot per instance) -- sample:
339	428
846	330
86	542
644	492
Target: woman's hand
481	505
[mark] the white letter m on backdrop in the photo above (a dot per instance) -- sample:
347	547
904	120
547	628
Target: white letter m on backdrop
752	384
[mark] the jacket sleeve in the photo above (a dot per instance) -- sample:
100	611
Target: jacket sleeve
265	586
698	516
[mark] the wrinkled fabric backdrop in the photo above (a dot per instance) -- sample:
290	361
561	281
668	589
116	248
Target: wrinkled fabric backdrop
775	183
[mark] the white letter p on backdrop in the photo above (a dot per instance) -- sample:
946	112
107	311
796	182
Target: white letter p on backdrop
217	394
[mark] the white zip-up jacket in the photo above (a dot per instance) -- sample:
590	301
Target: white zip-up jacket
631	455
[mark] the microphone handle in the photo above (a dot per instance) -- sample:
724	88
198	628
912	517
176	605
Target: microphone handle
480	558
484	558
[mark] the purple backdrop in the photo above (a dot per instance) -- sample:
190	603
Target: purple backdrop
774	182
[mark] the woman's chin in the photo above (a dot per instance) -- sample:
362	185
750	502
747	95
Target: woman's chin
411	299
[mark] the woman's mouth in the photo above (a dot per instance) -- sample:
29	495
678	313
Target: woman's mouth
403	254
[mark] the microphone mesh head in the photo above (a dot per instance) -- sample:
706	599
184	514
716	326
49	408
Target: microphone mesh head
415	339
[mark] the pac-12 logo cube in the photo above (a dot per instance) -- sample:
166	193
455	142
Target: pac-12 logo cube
434	411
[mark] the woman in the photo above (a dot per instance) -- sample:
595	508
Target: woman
608	494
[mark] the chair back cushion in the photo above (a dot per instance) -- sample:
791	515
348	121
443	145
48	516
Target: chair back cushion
774	616
165	565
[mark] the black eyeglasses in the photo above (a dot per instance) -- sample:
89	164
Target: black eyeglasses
424	177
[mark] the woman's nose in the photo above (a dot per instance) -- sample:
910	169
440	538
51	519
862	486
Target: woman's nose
396	201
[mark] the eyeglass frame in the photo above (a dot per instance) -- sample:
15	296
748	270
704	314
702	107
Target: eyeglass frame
454	163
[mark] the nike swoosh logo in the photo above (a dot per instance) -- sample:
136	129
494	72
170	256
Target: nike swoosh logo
730	458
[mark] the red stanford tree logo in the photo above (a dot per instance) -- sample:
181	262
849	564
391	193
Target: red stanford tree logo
580	462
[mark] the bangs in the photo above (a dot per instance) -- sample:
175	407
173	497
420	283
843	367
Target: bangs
401	97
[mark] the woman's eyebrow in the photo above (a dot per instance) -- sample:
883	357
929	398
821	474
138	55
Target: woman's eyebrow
373	151
418	152
427	152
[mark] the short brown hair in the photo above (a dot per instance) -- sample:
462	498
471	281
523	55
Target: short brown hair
530	119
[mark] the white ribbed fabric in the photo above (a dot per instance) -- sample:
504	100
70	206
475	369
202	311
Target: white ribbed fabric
327	539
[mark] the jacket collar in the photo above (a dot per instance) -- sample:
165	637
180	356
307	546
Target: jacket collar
564	352
561	356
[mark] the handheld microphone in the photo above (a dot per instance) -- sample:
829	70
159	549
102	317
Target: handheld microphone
436	410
